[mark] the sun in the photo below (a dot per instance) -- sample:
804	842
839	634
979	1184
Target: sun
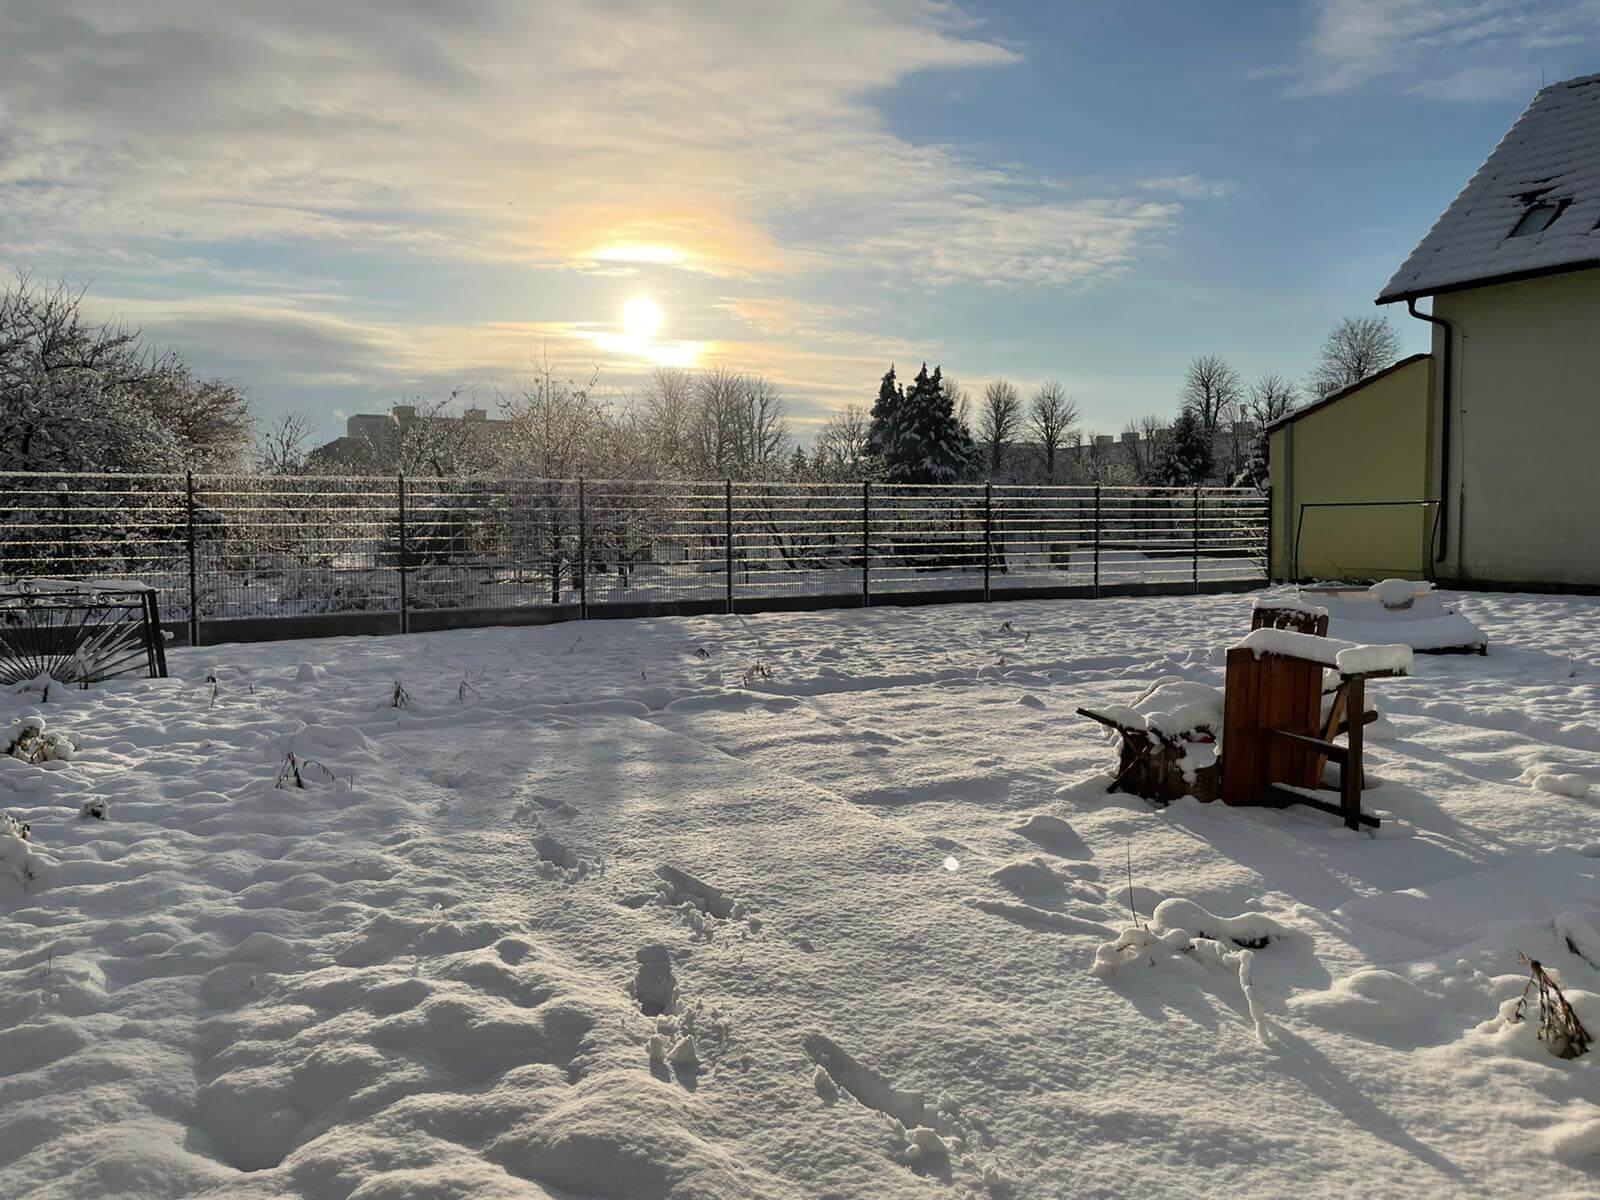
641	317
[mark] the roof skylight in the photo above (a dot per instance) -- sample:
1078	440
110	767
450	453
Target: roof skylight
1539	216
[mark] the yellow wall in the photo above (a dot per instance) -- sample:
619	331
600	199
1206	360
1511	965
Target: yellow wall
1372	444
1525	436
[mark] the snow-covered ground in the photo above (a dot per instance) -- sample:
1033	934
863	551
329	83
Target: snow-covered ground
789	906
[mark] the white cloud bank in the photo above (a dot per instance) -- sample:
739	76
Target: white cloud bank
1445	49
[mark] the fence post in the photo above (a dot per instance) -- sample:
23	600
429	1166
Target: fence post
1197	539
1268	565
866	543
988	534
405	550
1097	541
727	536
583	555
194	583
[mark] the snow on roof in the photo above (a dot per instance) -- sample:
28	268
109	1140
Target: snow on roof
1549	163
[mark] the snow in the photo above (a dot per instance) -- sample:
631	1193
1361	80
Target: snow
1408	612
1398	593
619	924
1345	657
1548	154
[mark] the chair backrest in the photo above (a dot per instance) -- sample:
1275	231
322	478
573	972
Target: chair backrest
1300	620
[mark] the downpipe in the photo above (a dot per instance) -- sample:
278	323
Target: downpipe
1446	361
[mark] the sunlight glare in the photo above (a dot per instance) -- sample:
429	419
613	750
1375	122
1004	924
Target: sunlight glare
641	317
637	253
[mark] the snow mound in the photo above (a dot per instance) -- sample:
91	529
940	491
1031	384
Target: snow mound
1249	931
1055	834
1398	593
1033	879
620	1136
1368	1003
1139	943
1560	784
20	861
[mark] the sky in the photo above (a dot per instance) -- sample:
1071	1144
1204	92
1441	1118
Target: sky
342	205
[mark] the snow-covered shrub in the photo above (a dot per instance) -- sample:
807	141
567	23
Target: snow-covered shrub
18	860
28	741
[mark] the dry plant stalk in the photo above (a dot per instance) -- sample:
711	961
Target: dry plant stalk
294	770
1559	1028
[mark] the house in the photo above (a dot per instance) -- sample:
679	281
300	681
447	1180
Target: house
1511	453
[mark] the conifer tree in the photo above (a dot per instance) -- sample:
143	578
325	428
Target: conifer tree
882	435
1187	458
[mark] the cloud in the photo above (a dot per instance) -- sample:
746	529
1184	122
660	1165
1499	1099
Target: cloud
297	170
544	132
1445	49
1190	187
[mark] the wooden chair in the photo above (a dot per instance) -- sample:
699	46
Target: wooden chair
1149	764
1296	618
1276	740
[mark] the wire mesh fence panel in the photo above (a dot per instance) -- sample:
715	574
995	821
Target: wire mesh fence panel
797	539
490	543
927	537
281	546
97	527
269	546
655	541
1233	535
1146	535
1042	537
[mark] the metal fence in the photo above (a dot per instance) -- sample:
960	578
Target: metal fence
427	553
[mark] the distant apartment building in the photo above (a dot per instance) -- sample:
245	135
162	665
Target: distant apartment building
403	438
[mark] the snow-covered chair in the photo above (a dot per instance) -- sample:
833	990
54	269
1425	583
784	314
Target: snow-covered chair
1288	614
1278	729
1167	745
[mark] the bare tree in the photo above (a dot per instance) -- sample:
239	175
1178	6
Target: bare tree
1053	421
1272	396
1357	347
841	445
281	447
558	424
960	400
1212	390
1143	449
666	411
741	426
719	400
999	419
432	442
763	426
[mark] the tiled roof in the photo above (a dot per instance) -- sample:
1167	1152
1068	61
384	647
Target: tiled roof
1551	158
